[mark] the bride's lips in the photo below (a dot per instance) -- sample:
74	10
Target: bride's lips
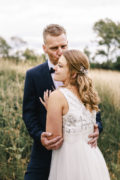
55	72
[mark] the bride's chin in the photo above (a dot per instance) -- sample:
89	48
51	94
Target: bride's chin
56	79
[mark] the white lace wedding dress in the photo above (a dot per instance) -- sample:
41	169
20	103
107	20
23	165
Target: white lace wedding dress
76	160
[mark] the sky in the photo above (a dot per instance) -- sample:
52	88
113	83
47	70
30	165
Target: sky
27	18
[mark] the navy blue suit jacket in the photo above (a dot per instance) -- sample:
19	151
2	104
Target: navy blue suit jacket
38	80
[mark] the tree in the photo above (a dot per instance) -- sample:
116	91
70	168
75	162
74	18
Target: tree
108	38
29	54
18	47
4	48
117	63
18	42
87	52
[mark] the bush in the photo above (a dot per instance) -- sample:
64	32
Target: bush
109	65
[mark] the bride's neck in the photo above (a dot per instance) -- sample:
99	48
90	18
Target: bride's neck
72	88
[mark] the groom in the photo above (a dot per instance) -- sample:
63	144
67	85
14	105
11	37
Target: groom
38	80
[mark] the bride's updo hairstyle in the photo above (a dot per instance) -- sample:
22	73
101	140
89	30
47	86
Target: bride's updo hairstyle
78	65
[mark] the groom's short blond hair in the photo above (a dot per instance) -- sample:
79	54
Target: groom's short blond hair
53	30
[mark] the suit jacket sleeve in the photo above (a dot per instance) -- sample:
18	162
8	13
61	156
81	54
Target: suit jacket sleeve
29	109
98	121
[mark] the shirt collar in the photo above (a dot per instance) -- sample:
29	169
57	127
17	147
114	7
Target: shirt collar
50	65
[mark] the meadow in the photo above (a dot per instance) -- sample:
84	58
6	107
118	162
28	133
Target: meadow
15	143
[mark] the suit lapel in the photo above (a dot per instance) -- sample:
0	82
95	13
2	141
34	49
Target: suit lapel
47	78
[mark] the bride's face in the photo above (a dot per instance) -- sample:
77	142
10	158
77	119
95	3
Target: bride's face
62	71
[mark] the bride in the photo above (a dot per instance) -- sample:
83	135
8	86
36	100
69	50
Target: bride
71	113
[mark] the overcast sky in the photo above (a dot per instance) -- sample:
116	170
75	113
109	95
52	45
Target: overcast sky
27	18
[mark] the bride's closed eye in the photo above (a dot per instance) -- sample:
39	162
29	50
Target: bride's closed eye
59	65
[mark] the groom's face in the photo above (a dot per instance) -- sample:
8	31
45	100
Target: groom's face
54	46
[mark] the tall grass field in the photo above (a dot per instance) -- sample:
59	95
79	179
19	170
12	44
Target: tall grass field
15	142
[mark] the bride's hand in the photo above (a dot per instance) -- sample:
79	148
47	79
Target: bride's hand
45	98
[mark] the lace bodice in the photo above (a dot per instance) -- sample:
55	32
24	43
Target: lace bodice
78	119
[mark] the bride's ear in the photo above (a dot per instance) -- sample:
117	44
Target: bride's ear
74	75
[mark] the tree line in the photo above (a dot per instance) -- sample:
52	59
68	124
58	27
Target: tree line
17	50
107	46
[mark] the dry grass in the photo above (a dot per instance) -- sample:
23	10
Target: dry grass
108	81
11	65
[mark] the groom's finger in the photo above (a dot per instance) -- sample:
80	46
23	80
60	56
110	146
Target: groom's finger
56	145
44	137
46	134
96	126
95	134
93	141
94	144
54	140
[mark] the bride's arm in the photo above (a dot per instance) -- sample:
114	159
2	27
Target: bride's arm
54	114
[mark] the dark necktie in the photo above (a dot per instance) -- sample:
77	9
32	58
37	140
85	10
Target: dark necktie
51	70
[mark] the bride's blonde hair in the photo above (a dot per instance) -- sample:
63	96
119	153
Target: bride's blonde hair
78	64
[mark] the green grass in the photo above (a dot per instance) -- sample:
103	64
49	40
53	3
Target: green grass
109	141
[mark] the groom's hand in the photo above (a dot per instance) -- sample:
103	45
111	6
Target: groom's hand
94	136
51	144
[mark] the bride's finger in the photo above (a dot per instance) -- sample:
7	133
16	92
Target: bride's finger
53	88
50	92
46	96
42	101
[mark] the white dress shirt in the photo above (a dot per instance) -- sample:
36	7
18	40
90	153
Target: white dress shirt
56	83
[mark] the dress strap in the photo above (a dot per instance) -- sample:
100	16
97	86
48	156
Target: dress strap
70	97
65	93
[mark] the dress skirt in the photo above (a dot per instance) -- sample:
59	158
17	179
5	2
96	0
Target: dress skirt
77	160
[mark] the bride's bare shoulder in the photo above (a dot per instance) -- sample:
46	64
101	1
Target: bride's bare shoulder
56	94
57	100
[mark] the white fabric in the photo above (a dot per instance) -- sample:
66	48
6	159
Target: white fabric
56	83
76	160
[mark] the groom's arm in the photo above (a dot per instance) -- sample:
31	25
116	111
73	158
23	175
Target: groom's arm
98	121
29	109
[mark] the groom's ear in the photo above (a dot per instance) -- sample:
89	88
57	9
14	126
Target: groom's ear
44	48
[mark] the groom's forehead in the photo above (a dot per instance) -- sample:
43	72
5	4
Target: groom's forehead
56	40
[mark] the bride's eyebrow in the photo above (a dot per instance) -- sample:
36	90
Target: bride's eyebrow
59	62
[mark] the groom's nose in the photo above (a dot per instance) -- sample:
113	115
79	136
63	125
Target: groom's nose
60	51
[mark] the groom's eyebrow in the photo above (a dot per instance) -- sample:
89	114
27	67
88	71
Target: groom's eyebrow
54	47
